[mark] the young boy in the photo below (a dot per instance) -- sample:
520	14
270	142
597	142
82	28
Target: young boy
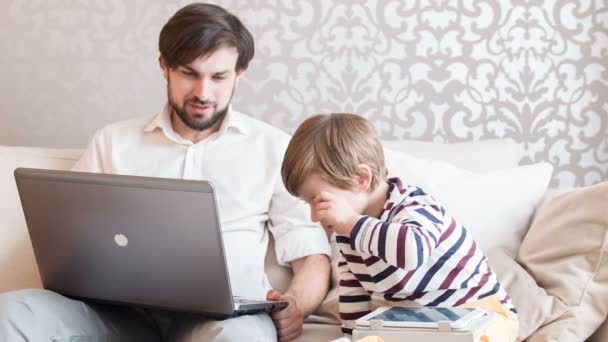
395	240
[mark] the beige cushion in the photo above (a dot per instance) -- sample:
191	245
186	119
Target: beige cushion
565	250
315	332
16	256
534	306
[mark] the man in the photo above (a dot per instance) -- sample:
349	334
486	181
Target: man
203	52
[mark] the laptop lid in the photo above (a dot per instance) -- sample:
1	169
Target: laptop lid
127	240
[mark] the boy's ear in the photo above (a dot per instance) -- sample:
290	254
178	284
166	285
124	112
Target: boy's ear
365	176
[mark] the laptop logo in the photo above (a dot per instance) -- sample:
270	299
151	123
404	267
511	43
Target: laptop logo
121	240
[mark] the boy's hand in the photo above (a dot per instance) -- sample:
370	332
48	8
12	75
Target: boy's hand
334	213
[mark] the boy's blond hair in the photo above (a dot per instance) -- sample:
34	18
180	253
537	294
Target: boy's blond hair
333	146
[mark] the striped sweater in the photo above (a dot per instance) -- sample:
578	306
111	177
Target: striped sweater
414	252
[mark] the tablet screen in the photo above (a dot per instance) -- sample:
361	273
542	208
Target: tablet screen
423	314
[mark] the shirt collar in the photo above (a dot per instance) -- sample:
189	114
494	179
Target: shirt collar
161	120
396	189
233	121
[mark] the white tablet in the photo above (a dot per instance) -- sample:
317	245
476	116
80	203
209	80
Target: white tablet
421	317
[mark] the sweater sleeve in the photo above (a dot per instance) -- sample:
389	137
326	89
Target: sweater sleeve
354	301
406	242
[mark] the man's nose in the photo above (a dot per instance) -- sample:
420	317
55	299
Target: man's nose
202	89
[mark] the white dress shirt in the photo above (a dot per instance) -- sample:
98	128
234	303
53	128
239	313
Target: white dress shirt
243	161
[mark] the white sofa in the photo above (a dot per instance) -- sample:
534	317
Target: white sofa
18	267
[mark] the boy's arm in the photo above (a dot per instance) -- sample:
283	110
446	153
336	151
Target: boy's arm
354	301
405	243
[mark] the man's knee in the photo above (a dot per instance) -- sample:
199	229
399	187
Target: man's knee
36	315
251	328
27	303
22	310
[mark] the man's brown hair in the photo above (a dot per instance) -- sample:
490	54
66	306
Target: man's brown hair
199	29
333	146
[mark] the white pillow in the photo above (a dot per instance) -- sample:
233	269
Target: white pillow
477	156
495	207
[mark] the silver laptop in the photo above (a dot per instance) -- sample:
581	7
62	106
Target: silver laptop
142	241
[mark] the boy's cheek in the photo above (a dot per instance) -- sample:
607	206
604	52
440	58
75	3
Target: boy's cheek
313	215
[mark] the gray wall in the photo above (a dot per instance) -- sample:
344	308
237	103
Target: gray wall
448	71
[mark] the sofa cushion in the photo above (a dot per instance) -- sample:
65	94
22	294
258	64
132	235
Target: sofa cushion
16	256
315	332
496	207
566	252
521	287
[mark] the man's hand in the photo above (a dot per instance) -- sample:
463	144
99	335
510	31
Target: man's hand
288	321
333	213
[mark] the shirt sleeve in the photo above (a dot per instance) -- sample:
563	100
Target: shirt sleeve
405	243
354	301
92	160
295	235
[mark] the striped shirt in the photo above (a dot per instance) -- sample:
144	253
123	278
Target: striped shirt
414	252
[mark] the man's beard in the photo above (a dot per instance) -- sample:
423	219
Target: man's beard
191	122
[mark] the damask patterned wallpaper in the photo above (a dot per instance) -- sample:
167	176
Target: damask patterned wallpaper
449	71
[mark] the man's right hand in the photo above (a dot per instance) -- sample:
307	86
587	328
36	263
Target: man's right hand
288	321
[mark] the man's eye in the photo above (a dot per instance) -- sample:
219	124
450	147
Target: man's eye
219	78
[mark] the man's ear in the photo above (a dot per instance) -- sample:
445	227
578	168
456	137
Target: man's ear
239	72
164	67
364	177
